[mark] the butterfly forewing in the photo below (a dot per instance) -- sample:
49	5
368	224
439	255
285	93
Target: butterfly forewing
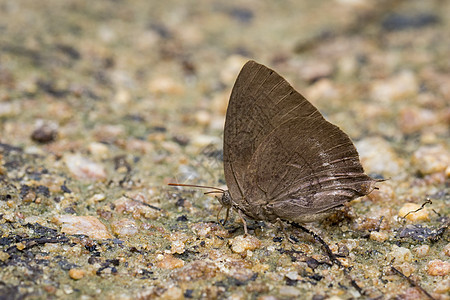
281	157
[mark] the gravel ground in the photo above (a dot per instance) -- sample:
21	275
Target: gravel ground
102	103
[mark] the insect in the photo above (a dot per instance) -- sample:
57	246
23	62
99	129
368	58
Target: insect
282	160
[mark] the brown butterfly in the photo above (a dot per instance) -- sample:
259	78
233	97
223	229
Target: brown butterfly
282	160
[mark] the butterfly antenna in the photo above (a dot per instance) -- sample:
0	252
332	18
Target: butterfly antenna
213	192
217	190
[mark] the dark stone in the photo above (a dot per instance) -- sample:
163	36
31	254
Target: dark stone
397	21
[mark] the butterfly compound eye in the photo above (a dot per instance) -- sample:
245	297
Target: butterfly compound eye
226	199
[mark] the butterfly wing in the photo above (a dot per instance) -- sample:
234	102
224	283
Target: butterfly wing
317	168
259	102
281	157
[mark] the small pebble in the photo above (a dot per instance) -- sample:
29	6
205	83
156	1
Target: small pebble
20	246
203	117
49	289
289	291
83	168
109	133
99	150
292	275
421	215
267	297
98	197
170	146
87	225
44	132
314	70
168	261
348	65
9	217
395	88
413	119
384	193
165	85
34	150
202	141
399	255
181	140
422	251
52	248
237	296
443	286
53	183
406	268
4	256
431	159
240	269
138	145
124	228
61	112
67	289
122	96
243	243
177	247
196	270
377	156
322	89
178	239
438	267
378	236
447	250
373	220
411	293
202	229
260	268
173	293
136	208
9	109
76	273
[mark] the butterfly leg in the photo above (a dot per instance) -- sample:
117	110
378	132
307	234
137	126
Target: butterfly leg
283	229
218	214
243	221
226	217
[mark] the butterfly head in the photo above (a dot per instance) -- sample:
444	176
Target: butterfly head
225	200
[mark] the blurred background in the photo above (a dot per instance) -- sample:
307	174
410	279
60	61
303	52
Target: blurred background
123	72
145	65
